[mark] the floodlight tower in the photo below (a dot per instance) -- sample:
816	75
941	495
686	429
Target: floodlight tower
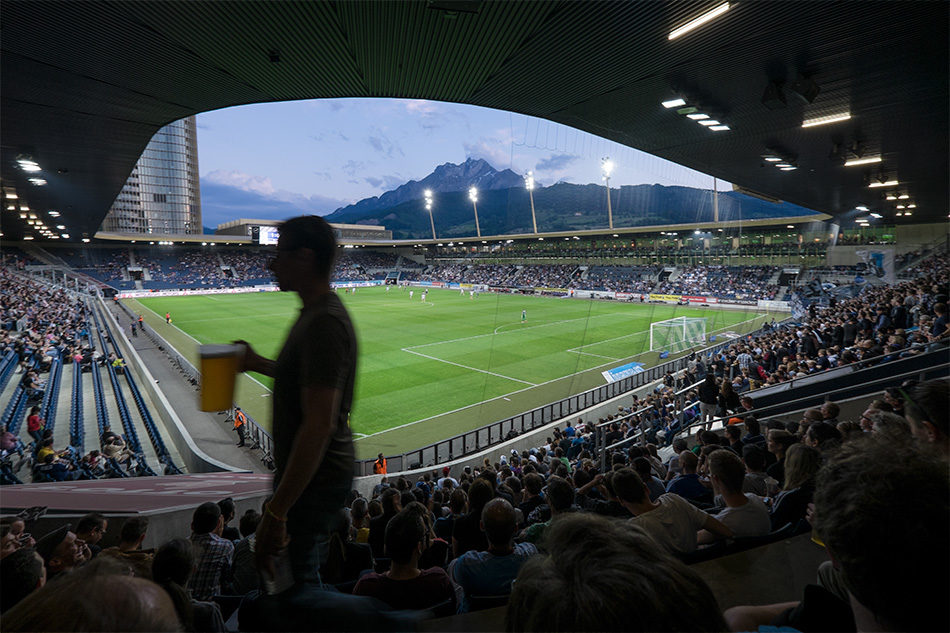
529	185
607	166
473	196
428	195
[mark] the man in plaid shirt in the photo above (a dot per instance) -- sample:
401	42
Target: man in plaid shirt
214	554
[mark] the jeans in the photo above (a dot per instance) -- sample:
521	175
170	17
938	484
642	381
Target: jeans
309	524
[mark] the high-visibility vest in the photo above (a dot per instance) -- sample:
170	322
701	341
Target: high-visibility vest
239	419
379	467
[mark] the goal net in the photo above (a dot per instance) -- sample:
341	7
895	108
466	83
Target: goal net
677	335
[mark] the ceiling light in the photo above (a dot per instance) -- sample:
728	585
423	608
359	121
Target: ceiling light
907	213
900	206
783	165
772	159
888	183
718	128
10	196
23	216
912	206
789	168
61	226
709	122
696	116
32	216
39	182
891	196
674	103
825	120
903	196
85	240
899	214
862	161
699	21
861	208
876	215
28	237
54	214
65	236
790	226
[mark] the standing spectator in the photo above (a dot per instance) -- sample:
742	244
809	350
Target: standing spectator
215	554
240	422
379	466
708	399
314	377
35	425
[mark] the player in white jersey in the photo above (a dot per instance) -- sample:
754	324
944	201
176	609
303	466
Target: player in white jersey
410	294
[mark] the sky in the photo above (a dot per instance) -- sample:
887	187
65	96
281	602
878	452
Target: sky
276	160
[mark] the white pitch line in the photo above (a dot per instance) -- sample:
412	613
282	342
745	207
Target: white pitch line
483	371
589	354
505	396
256	316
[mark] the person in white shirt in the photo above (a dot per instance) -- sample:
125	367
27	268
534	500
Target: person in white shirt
672	521
745	514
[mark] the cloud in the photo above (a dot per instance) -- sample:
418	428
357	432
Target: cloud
386	182
353	167
380	142
222	202
240	180
490	150
556	162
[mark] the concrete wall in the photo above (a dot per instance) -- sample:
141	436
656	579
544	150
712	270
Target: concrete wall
195	459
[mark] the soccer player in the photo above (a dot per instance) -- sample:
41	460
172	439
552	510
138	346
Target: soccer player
410	294
524	316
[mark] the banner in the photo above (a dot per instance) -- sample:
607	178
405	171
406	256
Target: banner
135	294
619	373
879	263
739	302
674	298
695	299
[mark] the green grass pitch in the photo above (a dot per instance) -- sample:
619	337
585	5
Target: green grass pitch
429	370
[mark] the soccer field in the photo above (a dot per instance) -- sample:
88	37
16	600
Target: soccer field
428	370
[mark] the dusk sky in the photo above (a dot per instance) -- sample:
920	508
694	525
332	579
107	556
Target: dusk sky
275	160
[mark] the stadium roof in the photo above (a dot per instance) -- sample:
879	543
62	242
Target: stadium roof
86	84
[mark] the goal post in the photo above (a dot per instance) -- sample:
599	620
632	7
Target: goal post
678	334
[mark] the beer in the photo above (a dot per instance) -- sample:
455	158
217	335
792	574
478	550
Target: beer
219	366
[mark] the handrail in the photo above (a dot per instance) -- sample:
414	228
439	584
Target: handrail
76	418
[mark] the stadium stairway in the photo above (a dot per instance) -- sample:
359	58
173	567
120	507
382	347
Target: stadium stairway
209	430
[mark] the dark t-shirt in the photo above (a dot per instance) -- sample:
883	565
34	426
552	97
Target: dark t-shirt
429	588
319	351
467	531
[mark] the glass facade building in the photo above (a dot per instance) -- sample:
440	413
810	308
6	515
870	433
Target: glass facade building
162	194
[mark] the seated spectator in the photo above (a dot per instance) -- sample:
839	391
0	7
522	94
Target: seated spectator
687	484
61	551
753	431
458	503
215	554
605	576
654	485
346	559
377	526
801	465
927	412
172	567
745	514
97	597
888	424
21	573
532	494
405	586
466	533
227	514
244	576
876	496
823	436
90	529
129	551
830	412
778	444
359	513
756	480
671	520
491	572
560	498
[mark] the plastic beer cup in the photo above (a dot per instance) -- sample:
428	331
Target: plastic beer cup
219	366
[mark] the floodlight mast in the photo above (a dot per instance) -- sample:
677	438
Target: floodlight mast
473	196
428	196
529	185
607	166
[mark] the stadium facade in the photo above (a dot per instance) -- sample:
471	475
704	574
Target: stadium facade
162	194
